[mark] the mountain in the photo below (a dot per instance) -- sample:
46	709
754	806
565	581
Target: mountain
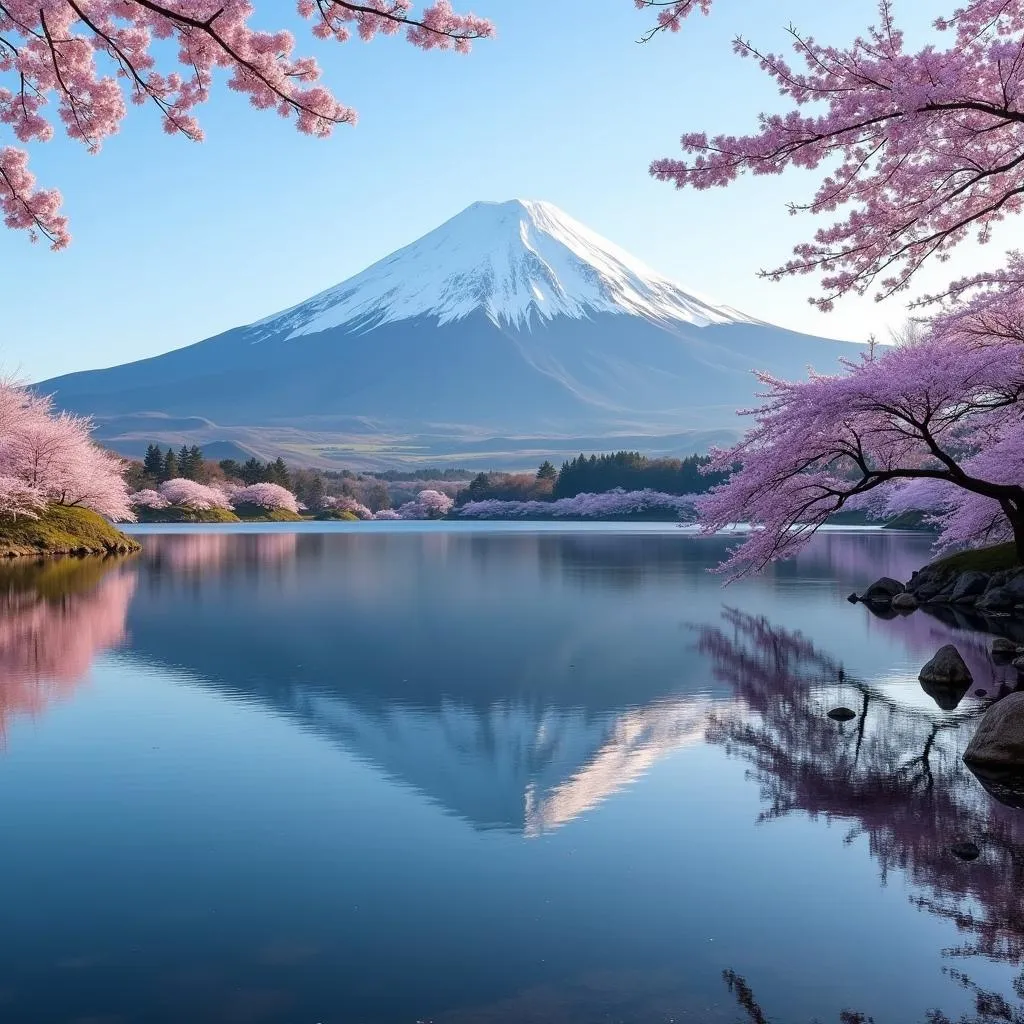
511	330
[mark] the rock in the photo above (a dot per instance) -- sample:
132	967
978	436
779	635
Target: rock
999	599
1003	649
853	599
842	714
882	591
969	586
947	669
998	742
980	692
1014	586
904	602
1006	787
965	851
1018	664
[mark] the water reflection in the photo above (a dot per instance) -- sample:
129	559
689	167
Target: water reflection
572	690
893	774
55	618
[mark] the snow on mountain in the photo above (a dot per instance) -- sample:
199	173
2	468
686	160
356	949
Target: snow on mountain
514	261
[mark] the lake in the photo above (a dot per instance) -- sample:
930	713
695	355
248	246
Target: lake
405	773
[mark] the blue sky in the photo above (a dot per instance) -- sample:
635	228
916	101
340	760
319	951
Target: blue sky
174	241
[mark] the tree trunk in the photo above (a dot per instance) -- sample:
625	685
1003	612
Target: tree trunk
1016	517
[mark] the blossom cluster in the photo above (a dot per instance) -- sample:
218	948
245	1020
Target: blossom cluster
81	59
48	457
584	506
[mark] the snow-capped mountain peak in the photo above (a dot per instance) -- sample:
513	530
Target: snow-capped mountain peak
515	261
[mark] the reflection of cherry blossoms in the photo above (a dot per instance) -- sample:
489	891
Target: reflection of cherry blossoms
894	774
53	624
201	552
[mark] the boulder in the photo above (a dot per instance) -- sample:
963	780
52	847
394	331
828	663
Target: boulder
998	742
1014	586
998	599
853	598
969	586
904	602
946	669
1018	664
882	591
1003	649
842	714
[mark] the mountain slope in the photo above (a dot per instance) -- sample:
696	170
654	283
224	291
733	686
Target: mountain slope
511	323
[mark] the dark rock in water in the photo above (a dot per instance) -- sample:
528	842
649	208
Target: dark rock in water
947	668
1003	649
980	692
853	599
999	599
998	742
904	602
1006	787
1018	664
882	591
965	851
969	586
946	695
842	714
1014	586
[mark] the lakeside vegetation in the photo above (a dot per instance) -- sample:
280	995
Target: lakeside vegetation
63	530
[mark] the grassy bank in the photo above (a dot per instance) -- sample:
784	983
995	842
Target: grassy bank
61	530
991	559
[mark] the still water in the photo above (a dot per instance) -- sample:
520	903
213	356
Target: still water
436	774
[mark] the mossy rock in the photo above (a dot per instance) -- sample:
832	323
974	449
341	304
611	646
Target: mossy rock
259	514
63	530
990	559
182	514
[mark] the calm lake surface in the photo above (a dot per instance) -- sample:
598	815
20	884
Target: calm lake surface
432	773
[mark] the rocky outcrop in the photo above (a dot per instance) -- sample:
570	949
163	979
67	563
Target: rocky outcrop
882	591
973	592
998	742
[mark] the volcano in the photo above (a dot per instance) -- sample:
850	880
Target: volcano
511	330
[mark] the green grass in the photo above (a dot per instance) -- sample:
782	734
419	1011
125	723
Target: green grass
333	515
180	514
991	559
61	530
259	514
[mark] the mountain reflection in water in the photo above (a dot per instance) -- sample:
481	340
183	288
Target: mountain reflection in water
522	683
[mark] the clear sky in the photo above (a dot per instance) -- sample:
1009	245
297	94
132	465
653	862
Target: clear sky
174	242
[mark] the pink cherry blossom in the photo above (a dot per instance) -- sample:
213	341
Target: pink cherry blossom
429	504
945	412
148	498
194	495
82	59
268	496
346	504
49	457
915	150
584	506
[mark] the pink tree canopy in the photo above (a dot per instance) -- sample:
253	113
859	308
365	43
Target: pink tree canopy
84	58
944	414
268	496
192	494
915	151
48	457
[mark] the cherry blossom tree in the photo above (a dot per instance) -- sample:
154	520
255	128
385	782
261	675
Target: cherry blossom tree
429	504
268	496
915	151
942	412
584	506
48	457
192	494
347	504
84	59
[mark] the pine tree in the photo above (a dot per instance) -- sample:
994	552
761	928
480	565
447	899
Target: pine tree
546	471
153	463
171	468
